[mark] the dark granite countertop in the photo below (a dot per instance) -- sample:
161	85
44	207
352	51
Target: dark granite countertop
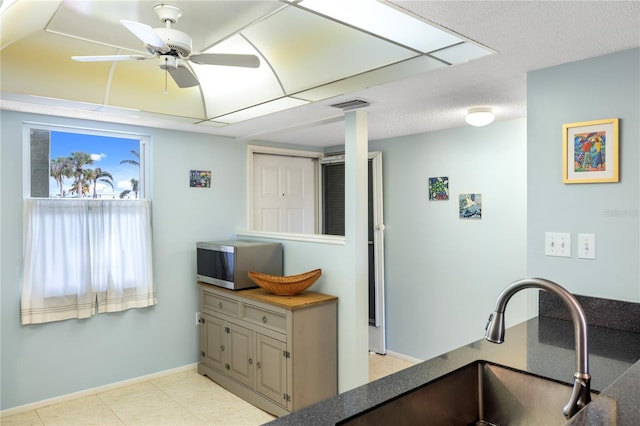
542	346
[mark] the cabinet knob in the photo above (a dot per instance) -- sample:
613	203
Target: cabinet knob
258	365
264	320
250	361
222	348
220	305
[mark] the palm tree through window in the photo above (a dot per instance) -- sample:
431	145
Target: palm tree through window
84	165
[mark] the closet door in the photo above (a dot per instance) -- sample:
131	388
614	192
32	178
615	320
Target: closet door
284	193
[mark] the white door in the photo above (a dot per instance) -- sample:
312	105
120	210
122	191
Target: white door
284	197
377	327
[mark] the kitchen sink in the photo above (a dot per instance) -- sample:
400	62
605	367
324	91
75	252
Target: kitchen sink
480	393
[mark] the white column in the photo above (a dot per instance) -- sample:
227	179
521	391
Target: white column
356	183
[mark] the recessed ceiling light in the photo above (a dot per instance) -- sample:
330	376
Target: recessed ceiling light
479	117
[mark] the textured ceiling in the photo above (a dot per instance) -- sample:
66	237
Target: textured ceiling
527	35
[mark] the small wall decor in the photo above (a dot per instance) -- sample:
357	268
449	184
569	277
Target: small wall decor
470	206
439	188
200	179
590	151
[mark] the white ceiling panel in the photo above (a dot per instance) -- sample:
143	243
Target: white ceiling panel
99	22
394	72
229	89
306	50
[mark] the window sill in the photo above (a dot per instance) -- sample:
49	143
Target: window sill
285	236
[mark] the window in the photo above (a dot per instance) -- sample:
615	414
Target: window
87	225
73	164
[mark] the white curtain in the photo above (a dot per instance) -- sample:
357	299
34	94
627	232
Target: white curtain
84	257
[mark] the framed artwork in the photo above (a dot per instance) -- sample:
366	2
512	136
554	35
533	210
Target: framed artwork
200	178
439	188
590	151
470	206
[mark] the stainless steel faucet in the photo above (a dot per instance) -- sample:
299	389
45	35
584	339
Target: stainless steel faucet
494	332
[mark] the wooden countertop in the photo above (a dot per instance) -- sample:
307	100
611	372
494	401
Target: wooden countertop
302	300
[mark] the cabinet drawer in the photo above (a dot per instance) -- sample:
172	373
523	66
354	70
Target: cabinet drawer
220	304
265	318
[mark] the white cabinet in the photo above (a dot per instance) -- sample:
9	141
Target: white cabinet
277	352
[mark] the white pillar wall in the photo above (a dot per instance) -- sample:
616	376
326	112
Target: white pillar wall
356	171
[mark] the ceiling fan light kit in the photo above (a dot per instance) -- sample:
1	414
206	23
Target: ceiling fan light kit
167	62
479	117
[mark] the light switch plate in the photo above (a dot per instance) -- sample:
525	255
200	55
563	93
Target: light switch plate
557	244
587	246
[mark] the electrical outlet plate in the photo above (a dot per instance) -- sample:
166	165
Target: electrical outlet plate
586	246
557	244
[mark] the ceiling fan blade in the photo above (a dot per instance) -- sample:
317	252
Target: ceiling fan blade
226	59
183	76
147	34
110	58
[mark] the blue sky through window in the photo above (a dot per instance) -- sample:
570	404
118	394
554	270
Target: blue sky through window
106	151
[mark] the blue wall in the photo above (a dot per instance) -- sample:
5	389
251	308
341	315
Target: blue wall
598	88
48	360
442	273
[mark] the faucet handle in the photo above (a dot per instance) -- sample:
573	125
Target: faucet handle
486	327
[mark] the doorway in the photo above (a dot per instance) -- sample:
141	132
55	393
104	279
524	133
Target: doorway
332	222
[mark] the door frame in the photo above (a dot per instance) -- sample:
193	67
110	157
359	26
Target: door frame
377	331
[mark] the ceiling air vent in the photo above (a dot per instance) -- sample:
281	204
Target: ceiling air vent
351	104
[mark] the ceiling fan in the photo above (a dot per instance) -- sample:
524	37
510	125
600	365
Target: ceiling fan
172	48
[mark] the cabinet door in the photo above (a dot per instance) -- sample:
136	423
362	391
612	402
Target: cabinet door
212	341
240	354
271	369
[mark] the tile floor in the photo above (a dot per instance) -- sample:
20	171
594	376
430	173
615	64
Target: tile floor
184	398
380	366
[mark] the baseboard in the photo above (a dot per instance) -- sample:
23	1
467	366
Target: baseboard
94	391
403	357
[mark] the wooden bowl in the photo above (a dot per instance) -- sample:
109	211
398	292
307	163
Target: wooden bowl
285	286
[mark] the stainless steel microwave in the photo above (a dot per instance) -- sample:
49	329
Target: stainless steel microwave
227	263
